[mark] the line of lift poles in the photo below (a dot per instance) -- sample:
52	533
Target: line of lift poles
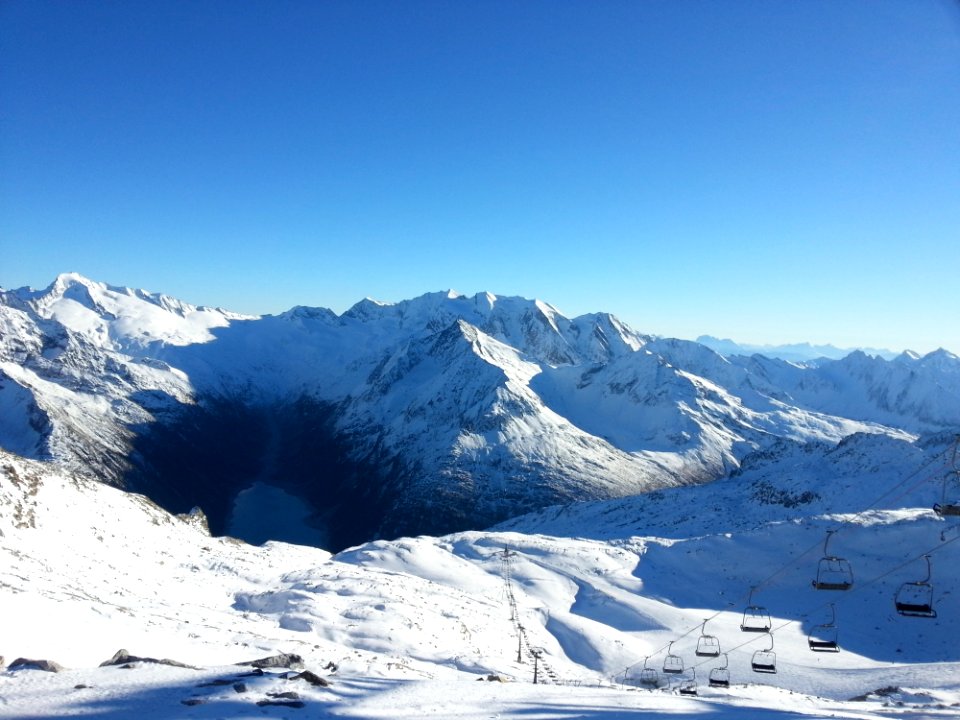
912	599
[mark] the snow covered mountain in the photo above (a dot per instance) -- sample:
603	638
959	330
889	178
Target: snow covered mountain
431	415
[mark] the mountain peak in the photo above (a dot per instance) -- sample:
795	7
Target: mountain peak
941	359
69	279
71	286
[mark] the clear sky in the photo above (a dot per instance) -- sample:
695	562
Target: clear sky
769	170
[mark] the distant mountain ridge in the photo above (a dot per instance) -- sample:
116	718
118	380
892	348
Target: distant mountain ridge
435	414
797	352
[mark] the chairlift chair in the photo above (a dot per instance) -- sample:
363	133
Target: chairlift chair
755	617
823	638
648	675
689	686
672	664
945	508
833	573
915	599
765	661
707	645
720	676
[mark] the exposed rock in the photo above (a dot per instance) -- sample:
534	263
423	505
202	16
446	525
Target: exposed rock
192	701
879	692
196	518
289	695
240	687
215	683
311	678
27	664
282	703
124	659
283	660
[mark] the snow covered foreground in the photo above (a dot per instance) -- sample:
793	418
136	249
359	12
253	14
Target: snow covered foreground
415	628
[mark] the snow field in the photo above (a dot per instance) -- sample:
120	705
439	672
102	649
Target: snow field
413	625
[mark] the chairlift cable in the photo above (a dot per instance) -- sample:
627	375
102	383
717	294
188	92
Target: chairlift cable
858	588
795	560
792	564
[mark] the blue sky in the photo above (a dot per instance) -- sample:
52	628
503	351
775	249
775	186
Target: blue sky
771	171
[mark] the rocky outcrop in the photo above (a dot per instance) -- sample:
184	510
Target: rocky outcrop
28	664
122	657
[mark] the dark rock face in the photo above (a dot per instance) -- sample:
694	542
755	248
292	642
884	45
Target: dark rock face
204	455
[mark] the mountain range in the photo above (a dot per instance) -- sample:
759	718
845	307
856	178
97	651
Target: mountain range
795	352
436	414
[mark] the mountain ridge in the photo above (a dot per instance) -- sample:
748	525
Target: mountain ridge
796	352
444	411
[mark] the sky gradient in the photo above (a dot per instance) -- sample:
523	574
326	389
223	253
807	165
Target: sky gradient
770	171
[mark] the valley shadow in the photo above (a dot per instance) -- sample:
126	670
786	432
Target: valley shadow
205	454
246	432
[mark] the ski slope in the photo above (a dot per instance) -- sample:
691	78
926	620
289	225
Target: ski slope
413	627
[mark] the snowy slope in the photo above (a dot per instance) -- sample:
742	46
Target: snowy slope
406	628
784	483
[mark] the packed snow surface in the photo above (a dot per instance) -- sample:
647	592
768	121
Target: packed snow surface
417	627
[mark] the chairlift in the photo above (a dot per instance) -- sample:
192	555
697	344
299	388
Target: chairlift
689	686
672	664
755	617
720	676
707	645
648	675
823	638
945	508
915	599
833	573
765	661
